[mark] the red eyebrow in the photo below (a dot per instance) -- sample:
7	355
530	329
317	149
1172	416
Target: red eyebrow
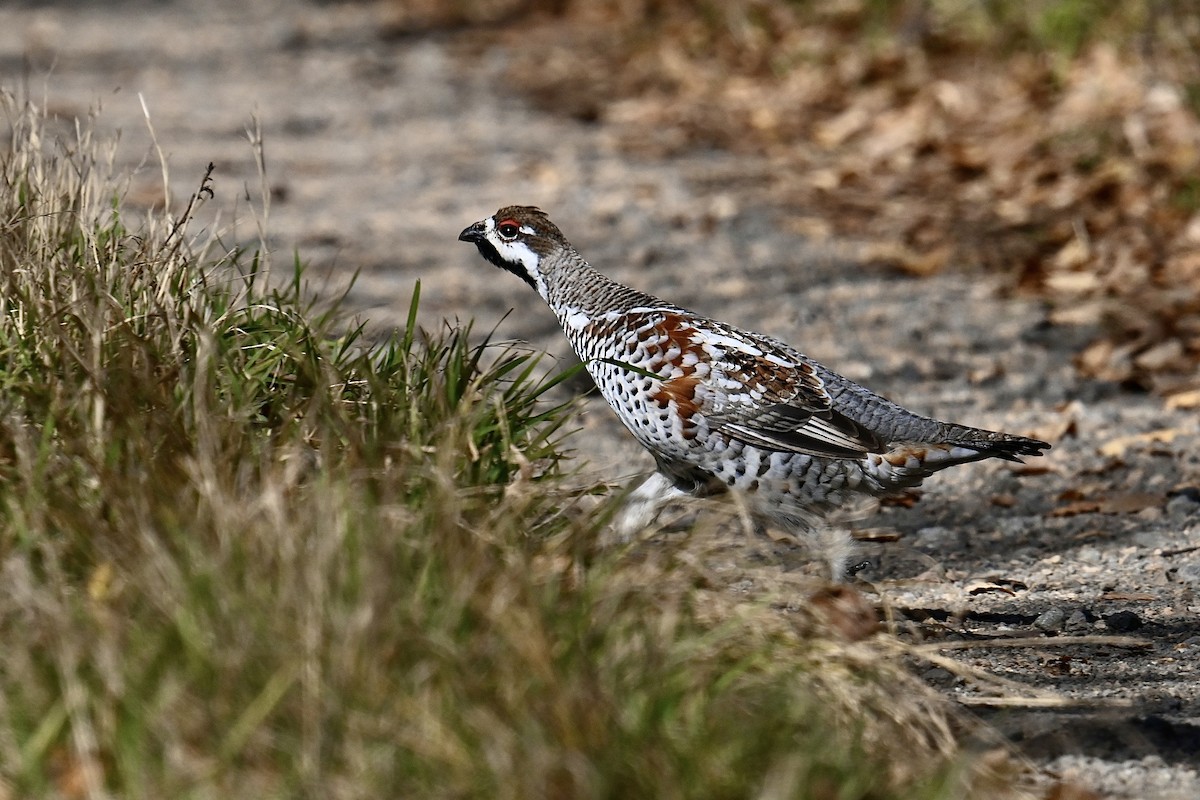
509	221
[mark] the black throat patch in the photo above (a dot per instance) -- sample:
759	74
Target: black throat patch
489	252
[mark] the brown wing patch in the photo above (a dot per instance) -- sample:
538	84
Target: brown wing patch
681	390
675	341
678	332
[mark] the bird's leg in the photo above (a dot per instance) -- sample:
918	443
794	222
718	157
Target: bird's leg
644	503
837	546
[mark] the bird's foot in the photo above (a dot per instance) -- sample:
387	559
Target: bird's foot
854	569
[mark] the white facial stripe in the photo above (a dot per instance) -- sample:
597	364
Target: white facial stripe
489	224
519	252
527	230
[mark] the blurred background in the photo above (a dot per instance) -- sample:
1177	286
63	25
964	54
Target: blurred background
1051	144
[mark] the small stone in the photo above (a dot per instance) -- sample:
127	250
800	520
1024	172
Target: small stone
1148	539
1182	506
937	676
1123	622
1189	493
937	539
1051	621
1188	573
1164	702
1150	514
1016	526
1077	620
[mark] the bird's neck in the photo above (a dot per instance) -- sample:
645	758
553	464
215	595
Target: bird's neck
573	285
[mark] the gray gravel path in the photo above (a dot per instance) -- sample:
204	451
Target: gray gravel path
379	152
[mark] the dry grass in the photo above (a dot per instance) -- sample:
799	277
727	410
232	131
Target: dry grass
240	555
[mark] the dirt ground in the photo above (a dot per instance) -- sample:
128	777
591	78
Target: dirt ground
379	150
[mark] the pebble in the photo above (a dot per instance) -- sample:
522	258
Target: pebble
1148	540
1188	573
937	676
1123	622
1078	620
936	538
1190	494
1051	621
1017	526
1181	507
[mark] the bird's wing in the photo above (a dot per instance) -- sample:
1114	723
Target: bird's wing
763	393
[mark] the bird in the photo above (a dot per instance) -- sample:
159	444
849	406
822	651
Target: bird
722	409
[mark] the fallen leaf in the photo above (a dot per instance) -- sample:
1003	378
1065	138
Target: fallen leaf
1038	468
985	373
877	535
1164	355
1118	446
1084	314
1118	503
1090	533
776	535
890	255
906	499
1067	282
1075	508
1130	502
1000	585
1058	429
1071	791
846	611
1185	399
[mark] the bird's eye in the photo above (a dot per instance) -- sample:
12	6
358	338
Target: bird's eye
508	229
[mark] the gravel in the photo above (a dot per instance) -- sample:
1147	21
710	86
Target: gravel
379	151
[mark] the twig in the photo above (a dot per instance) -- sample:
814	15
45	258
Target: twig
984	678
204	192
1046	702
1035	641
254	135
162	158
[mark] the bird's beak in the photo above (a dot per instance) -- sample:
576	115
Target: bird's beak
472	233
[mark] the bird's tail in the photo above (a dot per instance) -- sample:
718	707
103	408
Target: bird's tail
994	444
906	465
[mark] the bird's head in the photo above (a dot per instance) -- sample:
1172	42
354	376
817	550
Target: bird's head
518	239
